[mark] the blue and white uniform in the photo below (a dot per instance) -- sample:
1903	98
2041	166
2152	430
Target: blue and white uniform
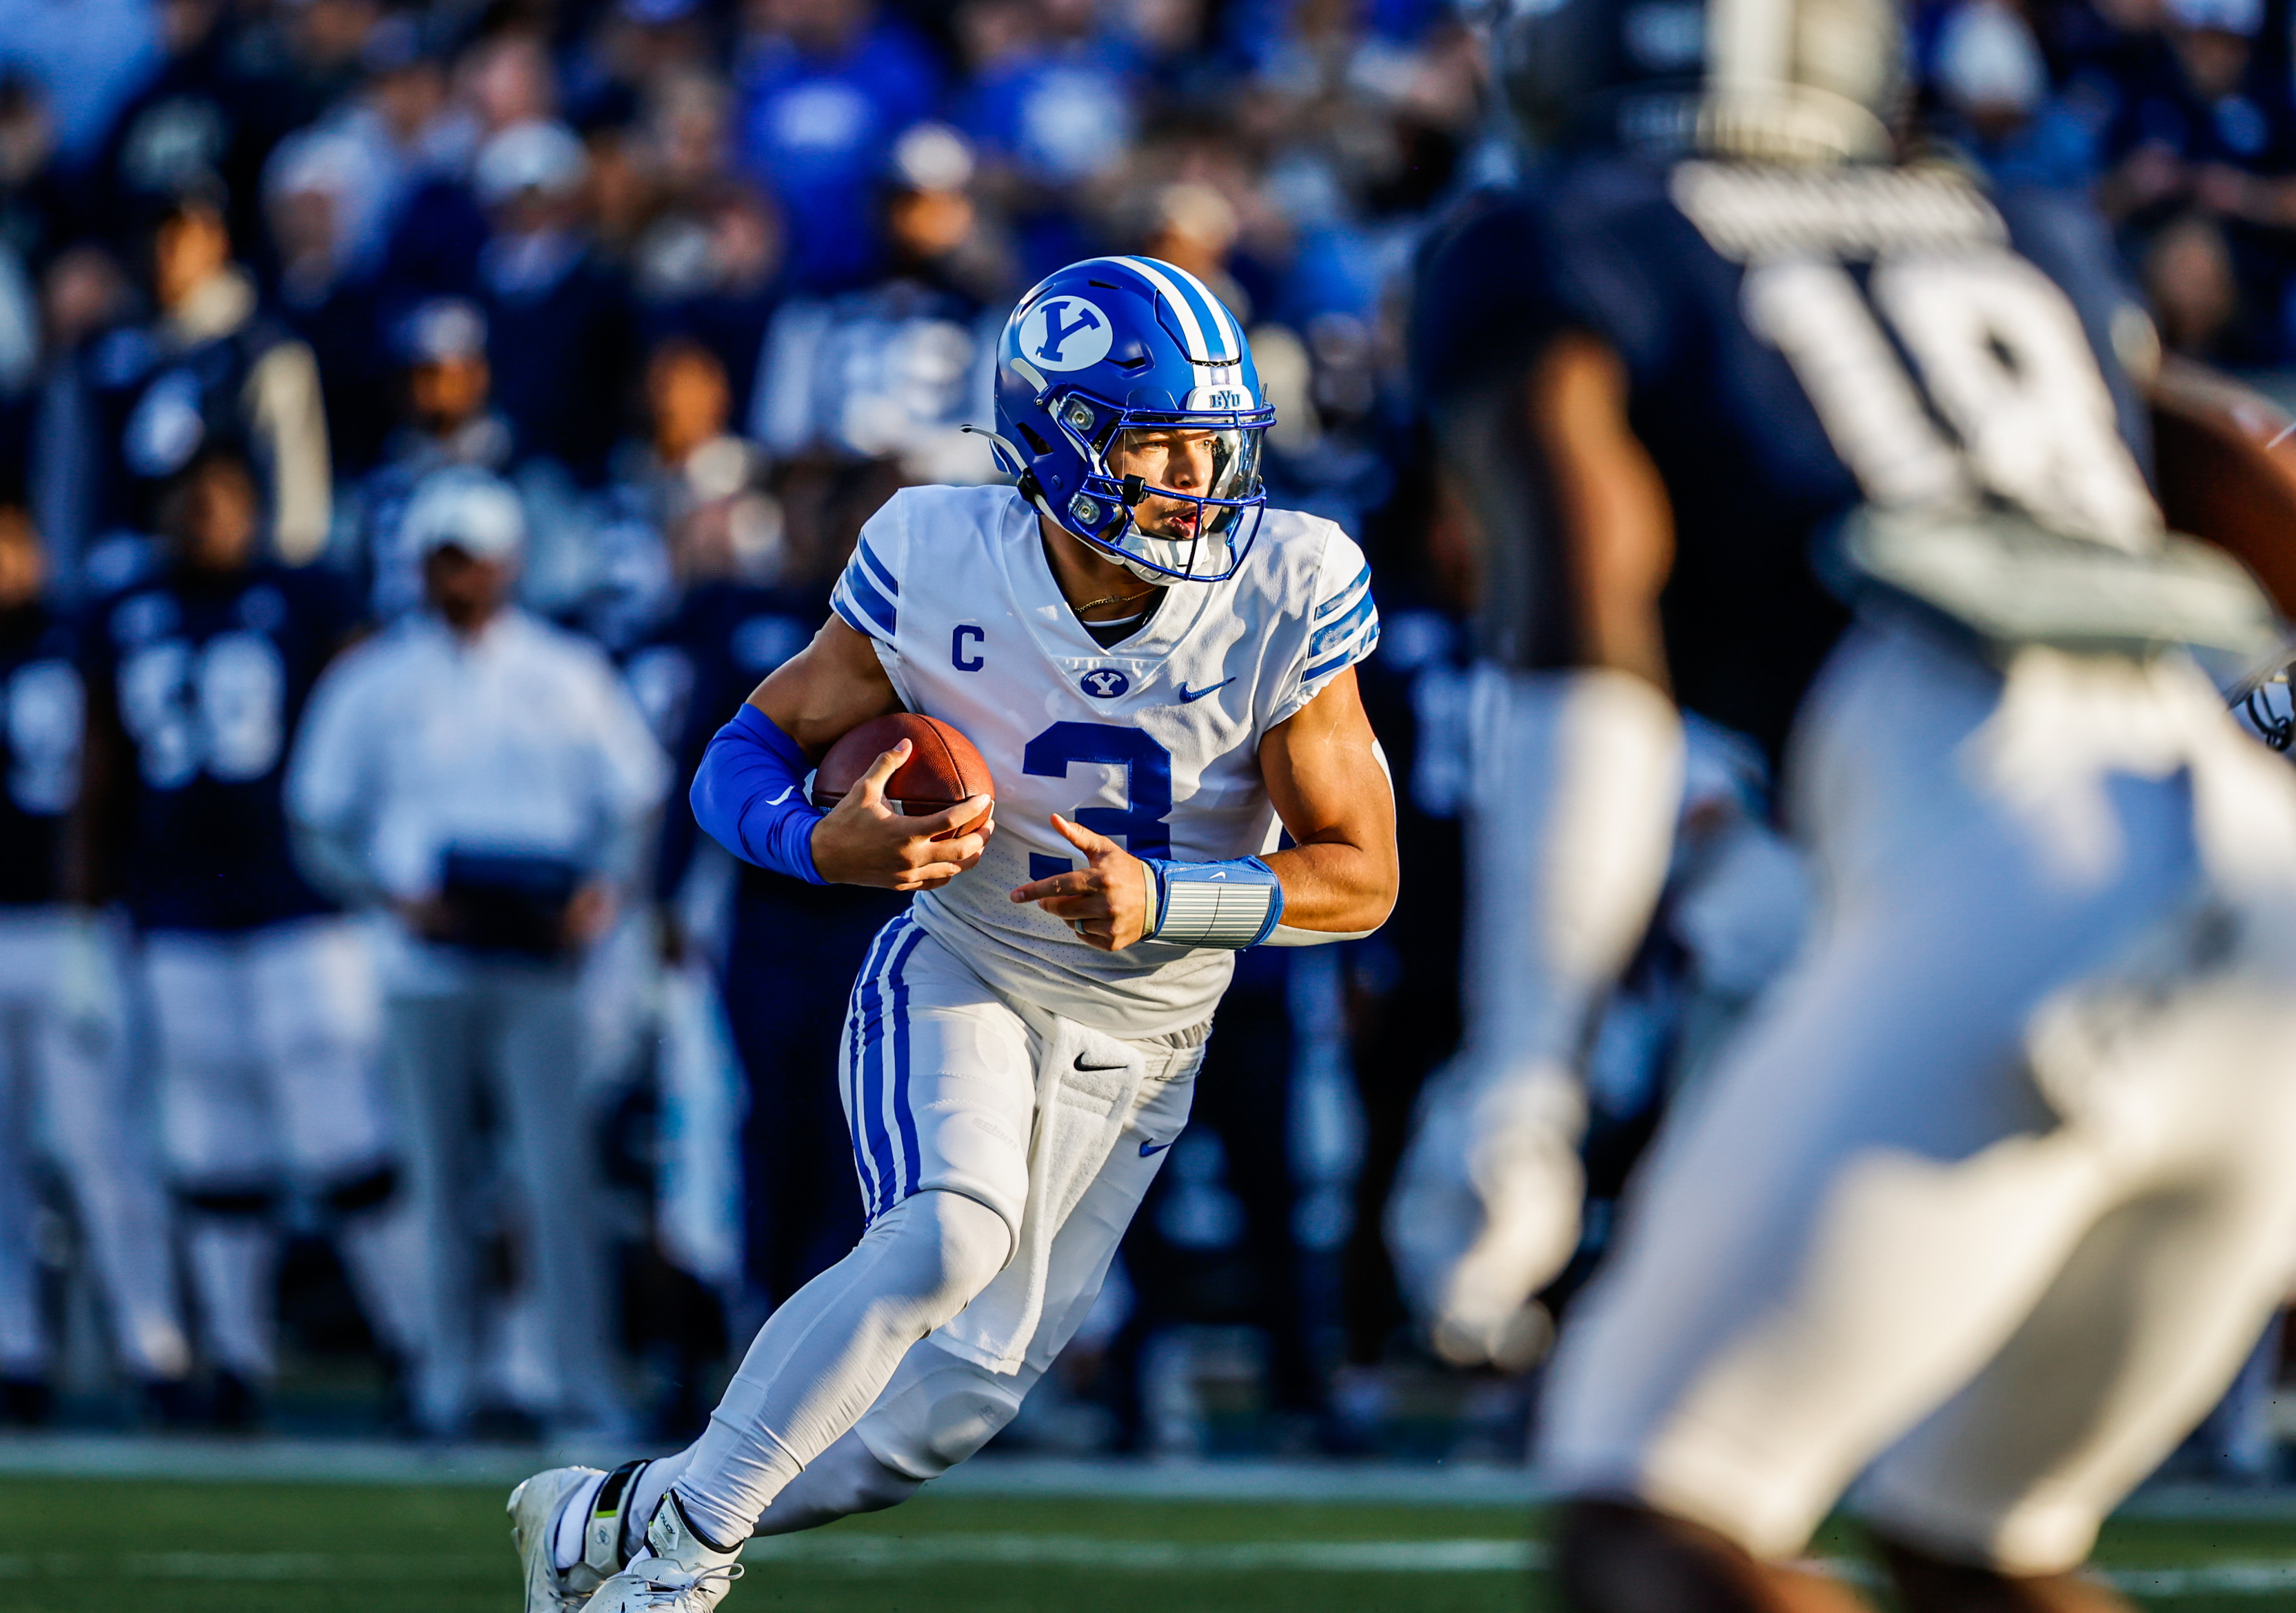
1013	1091
1154	743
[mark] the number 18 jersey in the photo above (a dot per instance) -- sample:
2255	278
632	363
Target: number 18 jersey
1796	343
1153	742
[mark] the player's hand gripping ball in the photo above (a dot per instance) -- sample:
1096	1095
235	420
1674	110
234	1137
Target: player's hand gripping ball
910	805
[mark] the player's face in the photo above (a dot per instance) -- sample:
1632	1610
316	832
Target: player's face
1207	462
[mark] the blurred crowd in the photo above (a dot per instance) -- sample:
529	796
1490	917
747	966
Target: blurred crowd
419	426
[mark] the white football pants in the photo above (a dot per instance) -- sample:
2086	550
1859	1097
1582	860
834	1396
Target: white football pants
66	1092
941	1090
269	1083
2000	1180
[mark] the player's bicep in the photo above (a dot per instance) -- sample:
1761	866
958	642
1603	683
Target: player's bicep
1330	786
827	689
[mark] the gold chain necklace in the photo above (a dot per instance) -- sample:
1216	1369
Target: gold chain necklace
1093	604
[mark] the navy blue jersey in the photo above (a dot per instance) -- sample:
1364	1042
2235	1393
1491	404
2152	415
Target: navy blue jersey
1796	344
694	672
41	708
202	676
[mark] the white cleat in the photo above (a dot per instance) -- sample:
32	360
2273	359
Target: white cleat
679	1573
533	1508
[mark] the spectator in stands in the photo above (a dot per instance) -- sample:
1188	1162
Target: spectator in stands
1992	86
313	190
65	1081
891	374
826	86
2203	181
87	59
206	119
560	333
445	394
213	366
263	997
501	829
83	296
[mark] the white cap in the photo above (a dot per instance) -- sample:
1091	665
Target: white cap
933	157
473	511
317	159
543	157
443	328
1986	60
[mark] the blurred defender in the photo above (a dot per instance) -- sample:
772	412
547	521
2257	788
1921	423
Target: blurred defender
1997	1186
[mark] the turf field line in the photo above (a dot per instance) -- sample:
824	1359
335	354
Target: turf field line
870	1554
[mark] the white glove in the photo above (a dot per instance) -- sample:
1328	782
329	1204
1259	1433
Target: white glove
1485	1211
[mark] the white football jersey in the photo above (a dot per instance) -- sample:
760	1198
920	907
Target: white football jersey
1155	744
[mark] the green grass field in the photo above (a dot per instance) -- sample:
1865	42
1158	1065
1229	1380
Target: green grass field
97	1546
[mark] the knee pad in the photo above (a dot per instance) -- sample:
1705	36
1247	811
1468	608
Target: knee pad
955	1246
938	1411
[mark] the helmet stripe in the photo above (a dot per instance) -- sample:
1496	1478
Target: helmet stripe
1226	320
1191	331
1218	323
1219	330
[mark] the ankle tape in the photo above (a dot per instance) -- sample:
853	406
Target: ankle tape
602	1538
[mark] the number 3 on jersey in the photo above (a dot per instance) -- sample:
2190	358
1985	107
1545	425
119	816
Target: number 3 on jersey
1147	767
2000	355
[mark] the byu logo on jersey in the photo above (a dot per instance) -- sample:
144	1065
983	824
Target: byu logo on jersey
1105	683
1065	333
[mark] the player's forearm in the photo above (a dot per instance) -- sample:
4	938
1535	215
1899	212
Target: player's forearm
1335	885
1578	784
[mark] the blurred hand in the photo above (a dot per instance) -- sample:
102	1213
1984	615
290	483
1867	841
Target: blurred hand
865	842
589	914
1485	1211
1105	902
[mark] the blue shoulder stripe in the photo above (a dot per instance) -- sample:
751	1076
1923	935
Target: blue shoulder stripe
1327	638
864	608
1347	655
1347	595
878	571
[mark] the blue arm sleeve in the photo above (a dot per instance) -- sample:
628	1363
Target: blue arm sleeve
749	795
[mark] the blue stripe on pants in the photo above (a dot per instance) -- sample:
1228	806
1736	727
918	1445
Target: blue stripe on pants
914	1169
873	1082
857	1027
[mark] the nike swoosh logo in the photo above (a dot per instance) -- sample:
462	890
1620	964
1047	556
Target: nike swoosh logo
1147	1149
1081	1065
787	791
1188	696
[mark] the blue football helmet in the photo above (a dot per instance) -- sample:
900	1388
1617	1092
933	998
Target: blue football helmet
1118	345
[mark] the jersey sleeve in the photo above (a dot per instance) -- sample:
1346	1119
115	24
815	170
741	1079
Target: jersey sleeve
1342	625
868	596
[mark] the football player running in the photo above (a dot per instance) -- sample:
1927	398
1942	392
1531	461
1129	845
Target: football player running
1158	669
1994	1192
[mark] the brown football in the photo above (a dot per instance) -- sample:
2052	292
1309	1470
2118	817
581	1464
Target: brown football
943	767
2225	459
